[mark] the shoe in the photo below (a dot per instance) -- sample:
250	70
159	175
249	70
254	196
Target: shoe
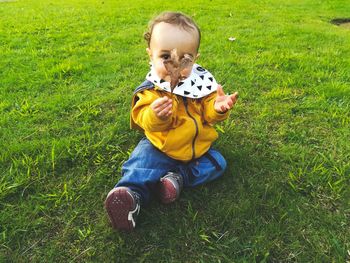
169	187
123	206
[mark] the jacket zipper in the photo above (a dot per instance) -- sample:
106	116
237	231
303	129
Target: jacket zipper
195	123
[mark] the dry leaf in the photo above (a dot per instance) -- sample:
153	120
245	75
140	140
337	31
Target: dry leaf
174	66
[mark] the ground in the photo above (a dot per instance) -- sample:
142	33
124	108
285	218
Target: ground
67	71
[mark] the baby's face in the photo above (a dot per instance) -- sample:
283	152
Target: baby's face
166	37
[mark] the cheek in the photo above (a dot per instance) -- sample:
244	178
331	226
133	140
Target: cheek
186	72
160	69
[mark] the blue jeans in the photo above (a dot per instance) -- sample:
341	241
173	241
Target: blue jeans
147	165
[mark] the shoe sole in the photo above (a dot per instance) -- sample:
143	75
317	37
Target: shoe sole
120	206
167	191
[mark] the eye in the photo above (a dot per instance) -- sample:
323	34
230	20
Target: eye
165	56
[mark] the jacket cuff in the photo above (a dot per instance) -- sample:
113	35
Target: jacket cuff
155	123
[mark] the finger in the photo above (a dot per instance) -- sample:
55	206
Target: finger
231	99
164	114
220	91
223	108
160	101
160	104
169	113
164	111
227	105
227	102
230	103
234	96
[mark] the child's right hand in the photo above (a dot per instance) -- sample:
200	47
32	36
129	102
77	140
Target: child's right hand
162	107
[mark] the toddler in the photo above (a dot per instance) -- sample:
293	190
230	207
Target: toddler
176	108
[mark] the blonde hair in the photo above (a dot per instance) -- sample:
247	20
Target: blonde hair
173	18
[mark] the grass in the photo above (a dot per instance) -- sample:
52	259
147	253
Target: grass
68	69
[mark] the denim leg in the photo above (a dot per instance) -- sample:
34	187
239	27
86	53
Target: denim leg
203	170
144	168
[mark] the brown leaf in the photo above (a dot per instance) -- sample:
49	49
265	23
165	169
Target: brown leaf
174	66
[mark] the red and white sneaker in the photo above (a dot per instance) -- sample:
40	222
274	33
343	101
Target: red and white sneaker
123	206
169	187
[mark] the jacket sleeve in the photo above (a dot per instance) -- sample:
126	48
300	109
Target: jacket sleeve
143	116
209	113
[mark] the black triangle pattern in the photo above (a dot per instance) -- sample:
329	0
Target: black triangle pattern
197	82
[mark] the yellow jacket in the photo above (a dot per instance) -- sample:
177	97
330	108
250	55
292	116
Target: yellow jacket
184	136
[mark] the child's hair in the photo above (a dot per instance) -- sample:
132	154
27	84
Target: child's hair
174	18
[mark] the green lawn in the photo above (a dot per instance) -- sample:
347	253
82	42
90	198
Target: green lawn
67	73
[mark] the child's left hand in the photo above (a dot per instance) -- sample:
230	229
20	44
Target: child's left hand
224	102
